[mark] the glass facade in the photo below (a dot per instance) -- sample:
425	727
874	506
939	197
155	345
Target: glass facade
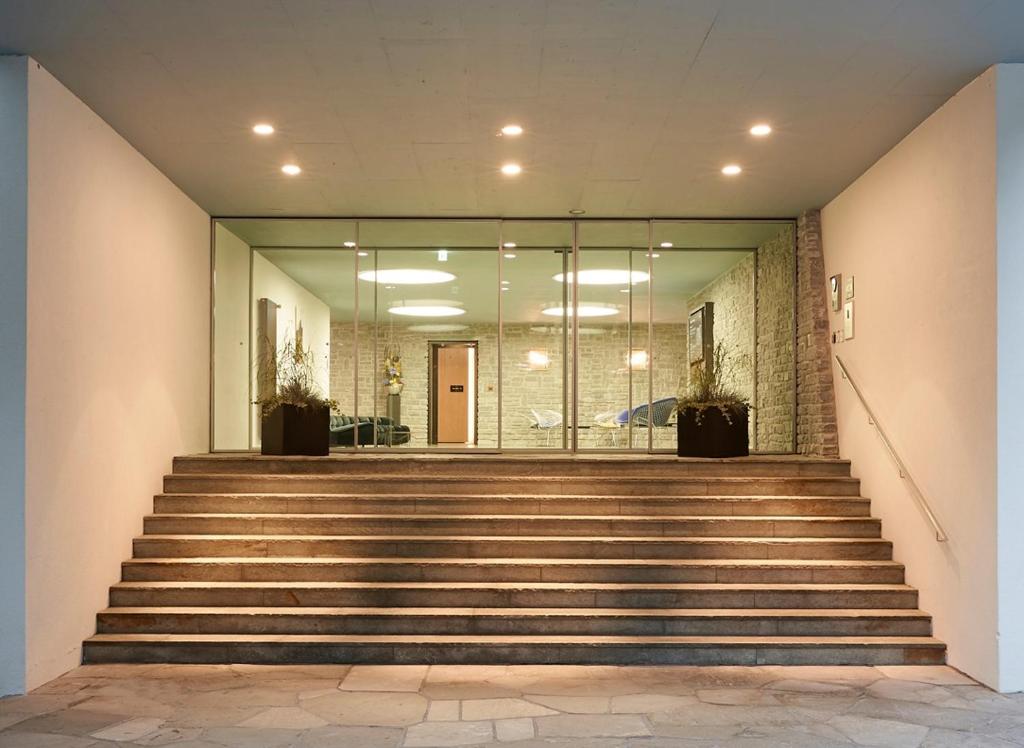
445	334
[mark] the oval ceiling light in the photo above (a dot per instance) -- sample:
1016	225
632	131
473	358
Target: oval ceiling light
604	277
291	169
666	245
263	129
511	169
407	276
731	170
583	310
363	254
576	211
512	130
509	245
349	244
761	130
509	256
426	309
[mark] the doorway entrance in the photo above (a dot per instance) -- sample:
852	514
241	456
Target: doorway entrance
453	393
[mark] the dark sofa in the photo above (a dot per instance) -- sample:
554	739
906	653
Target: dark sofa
344	429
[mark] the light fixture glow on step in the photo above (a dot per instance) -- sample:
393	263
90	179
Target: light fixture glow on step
583	310
426	308
407	276
604	277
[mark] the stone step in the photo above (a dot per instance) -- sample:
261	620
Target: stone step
621	484
515	621
514	524
834	506
286	569
500	546
509	650
511	465
510	595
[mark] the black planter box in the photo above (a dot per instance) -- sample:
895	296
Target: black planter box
712	435
291	430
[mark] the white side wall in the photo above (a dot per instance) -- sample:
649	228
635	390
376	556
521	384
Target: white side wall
13	230
1010	371
231	342
295	305
917	231
118	360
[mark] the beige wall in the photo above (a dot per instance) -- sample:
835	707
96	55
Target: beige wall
917	232
231	341
117	360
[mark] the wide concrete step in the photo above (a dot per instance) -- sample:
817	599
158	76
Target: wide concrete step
226	503
512	466
510	595
503	546
515	621
510	524
621	484
284	569
508	650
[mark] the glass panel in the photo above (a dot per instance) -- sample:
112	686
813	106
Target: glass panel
611	325
277	283
534	365
741	274
435	326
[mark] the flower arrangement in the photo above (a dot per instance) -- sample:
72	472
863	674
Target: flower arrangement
393	371
293	368
708	388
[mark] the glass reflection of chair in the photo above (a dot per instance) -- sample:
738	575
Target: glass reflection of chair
546	421
657	414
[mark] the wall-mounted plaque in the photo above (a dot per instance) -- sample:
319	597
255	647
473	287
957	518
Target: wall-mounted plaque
835	285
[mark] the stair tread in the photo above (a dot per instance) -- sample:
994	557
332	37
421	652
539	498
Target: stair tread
716	641
506	496
529	612
526	585
546	517
523	538
543	562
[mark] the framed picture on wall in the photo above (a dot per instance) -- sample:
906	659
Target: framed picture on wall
695	336
835	283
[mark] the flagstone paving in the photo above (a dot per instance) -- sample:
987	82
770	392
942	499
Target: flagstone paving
416	706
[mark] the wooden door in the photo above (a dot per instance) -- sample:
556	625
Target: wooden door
452	394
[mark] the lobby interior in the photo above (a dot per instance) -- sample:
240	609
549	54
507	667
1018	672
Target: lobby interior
508	239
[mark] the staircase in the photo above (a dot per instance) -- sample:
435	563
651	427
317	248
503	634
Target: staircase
501	559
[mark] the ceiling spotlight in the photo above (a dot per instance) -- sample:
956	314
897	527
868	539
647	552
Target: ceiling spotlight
604	277
349	244
731	170
666	245
363	254
509	245
291	169
426	309
583	310
511	169
512	130
509	256
655	255
761	130
263	129
406	276
576	212
505	283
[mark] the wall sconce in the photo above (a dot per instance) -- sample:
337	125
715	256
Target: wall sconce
638	360
538	360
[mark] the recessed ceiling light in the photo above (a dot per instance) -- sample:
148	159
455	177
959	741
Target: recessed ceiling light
512	130
666	245
604	277
731	170
583	310
426	309
624	290
504	288
509	245
576	212
291	169
761	130
505	283
349	244
655	255
511	169
509	256
263	129
407	276
363	254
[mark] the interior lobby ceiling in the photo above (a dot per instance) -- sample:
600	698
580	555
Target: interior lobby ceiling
630	107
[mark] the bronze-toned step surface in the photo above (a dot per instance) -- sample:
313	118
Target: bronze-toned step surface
494	559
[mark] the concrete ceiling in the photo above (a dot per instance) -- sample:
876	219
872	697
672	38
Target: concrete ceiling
630	106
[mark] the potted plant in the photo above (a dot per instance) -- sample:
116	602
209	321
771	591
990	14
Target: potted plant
712	417
296	418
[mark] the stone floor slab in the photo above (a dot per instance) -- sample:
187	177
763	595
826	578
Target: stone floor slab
384	678
592	726
508	730
476	709
443	734
285	717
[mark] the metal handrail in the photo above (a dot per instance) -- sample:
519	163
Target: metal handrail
922	502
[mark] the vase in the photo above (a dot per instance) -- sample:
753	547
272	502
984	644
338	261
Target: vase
395	388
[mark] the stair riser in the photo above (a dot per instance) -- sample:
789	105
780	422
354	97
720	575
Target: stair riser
226	623
503	598
554	653
150	547
417	572
418	484
513	468
577	505
553	526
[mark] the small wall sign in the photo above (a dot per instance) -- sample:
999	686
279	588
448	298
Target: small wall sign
835	283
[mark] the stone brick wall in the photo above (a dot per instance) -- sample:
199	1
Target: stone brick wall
817	432
775	330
